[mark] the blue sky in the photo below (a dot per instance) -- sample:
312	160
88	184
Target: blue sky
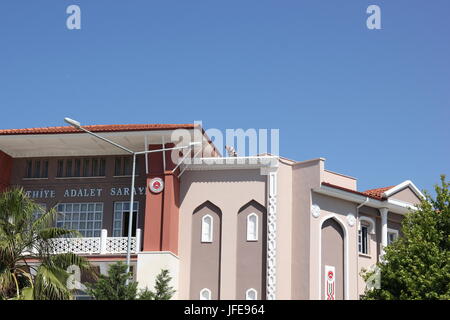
374	103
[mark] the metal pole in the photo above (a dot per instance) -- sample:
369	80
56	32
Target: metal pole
106	140
130	216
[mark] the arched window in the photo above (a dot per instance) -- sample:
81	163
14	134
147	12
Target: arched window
252	227
363	239
251	294
205	294
369	222
207	228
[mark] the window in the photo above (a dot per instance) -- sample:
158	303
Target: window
36	169
118	167
86	168
39	211
102	168
84	217
363	243
60	169
44	169
127	166
392	235
251	294
94	167
29	170
207	228
121	216
77	169
123	166
252	227
98	167
68	168
205	294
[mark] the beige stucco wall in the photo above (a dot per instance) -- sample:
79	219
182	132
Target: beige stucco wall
406	195
339	179
150	264
229	190
306	176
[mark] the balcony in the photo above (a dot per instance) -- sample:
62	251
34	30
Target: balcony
102	245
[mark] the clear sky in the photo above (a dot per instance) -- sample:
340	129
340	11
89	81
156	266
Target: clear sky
374	103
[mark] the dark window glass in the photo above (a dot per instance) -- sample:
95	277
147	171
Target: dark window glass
86	168
118	167
77	170
127	166
95	167
44	169
102	170
37	169
60	169
68	168
29	170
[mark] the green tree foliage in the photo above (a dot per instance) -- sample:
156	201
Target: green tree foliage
26	233
114	286
416	266
162	289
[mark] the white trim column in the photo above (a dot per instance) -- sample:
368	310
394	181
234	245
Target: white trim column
103	239
271	235
384	229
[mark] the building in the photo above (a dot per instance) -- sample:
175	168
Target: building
261	227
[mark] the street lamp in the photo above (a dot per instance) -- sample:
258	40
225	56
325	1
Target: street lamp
77	125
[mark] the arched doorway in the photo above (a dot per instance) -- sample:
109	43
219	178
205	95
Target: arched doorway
332	257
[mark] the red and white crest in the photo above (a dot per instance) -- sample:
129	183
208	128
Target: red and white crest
156	185
330	283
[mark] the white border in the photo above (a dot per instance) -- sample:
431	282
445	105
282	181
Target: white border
401	186
256	227
209	293
251	290
370	221
211	234
389	230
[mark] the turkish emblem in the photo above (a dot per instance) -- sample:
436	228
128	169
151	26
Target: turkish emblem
330	283
156	185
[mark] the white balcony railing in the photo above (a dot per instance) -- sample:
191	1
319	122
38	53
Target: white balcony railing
97	245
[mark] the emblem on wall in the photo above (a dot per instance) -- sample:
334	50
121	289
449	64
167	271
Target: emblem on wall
351	220
315	210
330	283
156	185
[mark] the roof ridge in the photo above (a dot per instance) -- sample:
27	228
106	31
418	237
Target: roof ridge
375	189
98	128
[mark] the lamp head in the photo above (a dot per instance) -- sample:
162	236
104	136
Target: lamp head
72	122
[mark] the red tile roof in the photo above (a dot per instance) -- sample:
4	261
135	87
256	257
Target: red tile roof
377	192
98	128
374	193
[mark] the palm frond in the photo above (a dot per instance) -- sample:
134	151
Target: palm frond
50	284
